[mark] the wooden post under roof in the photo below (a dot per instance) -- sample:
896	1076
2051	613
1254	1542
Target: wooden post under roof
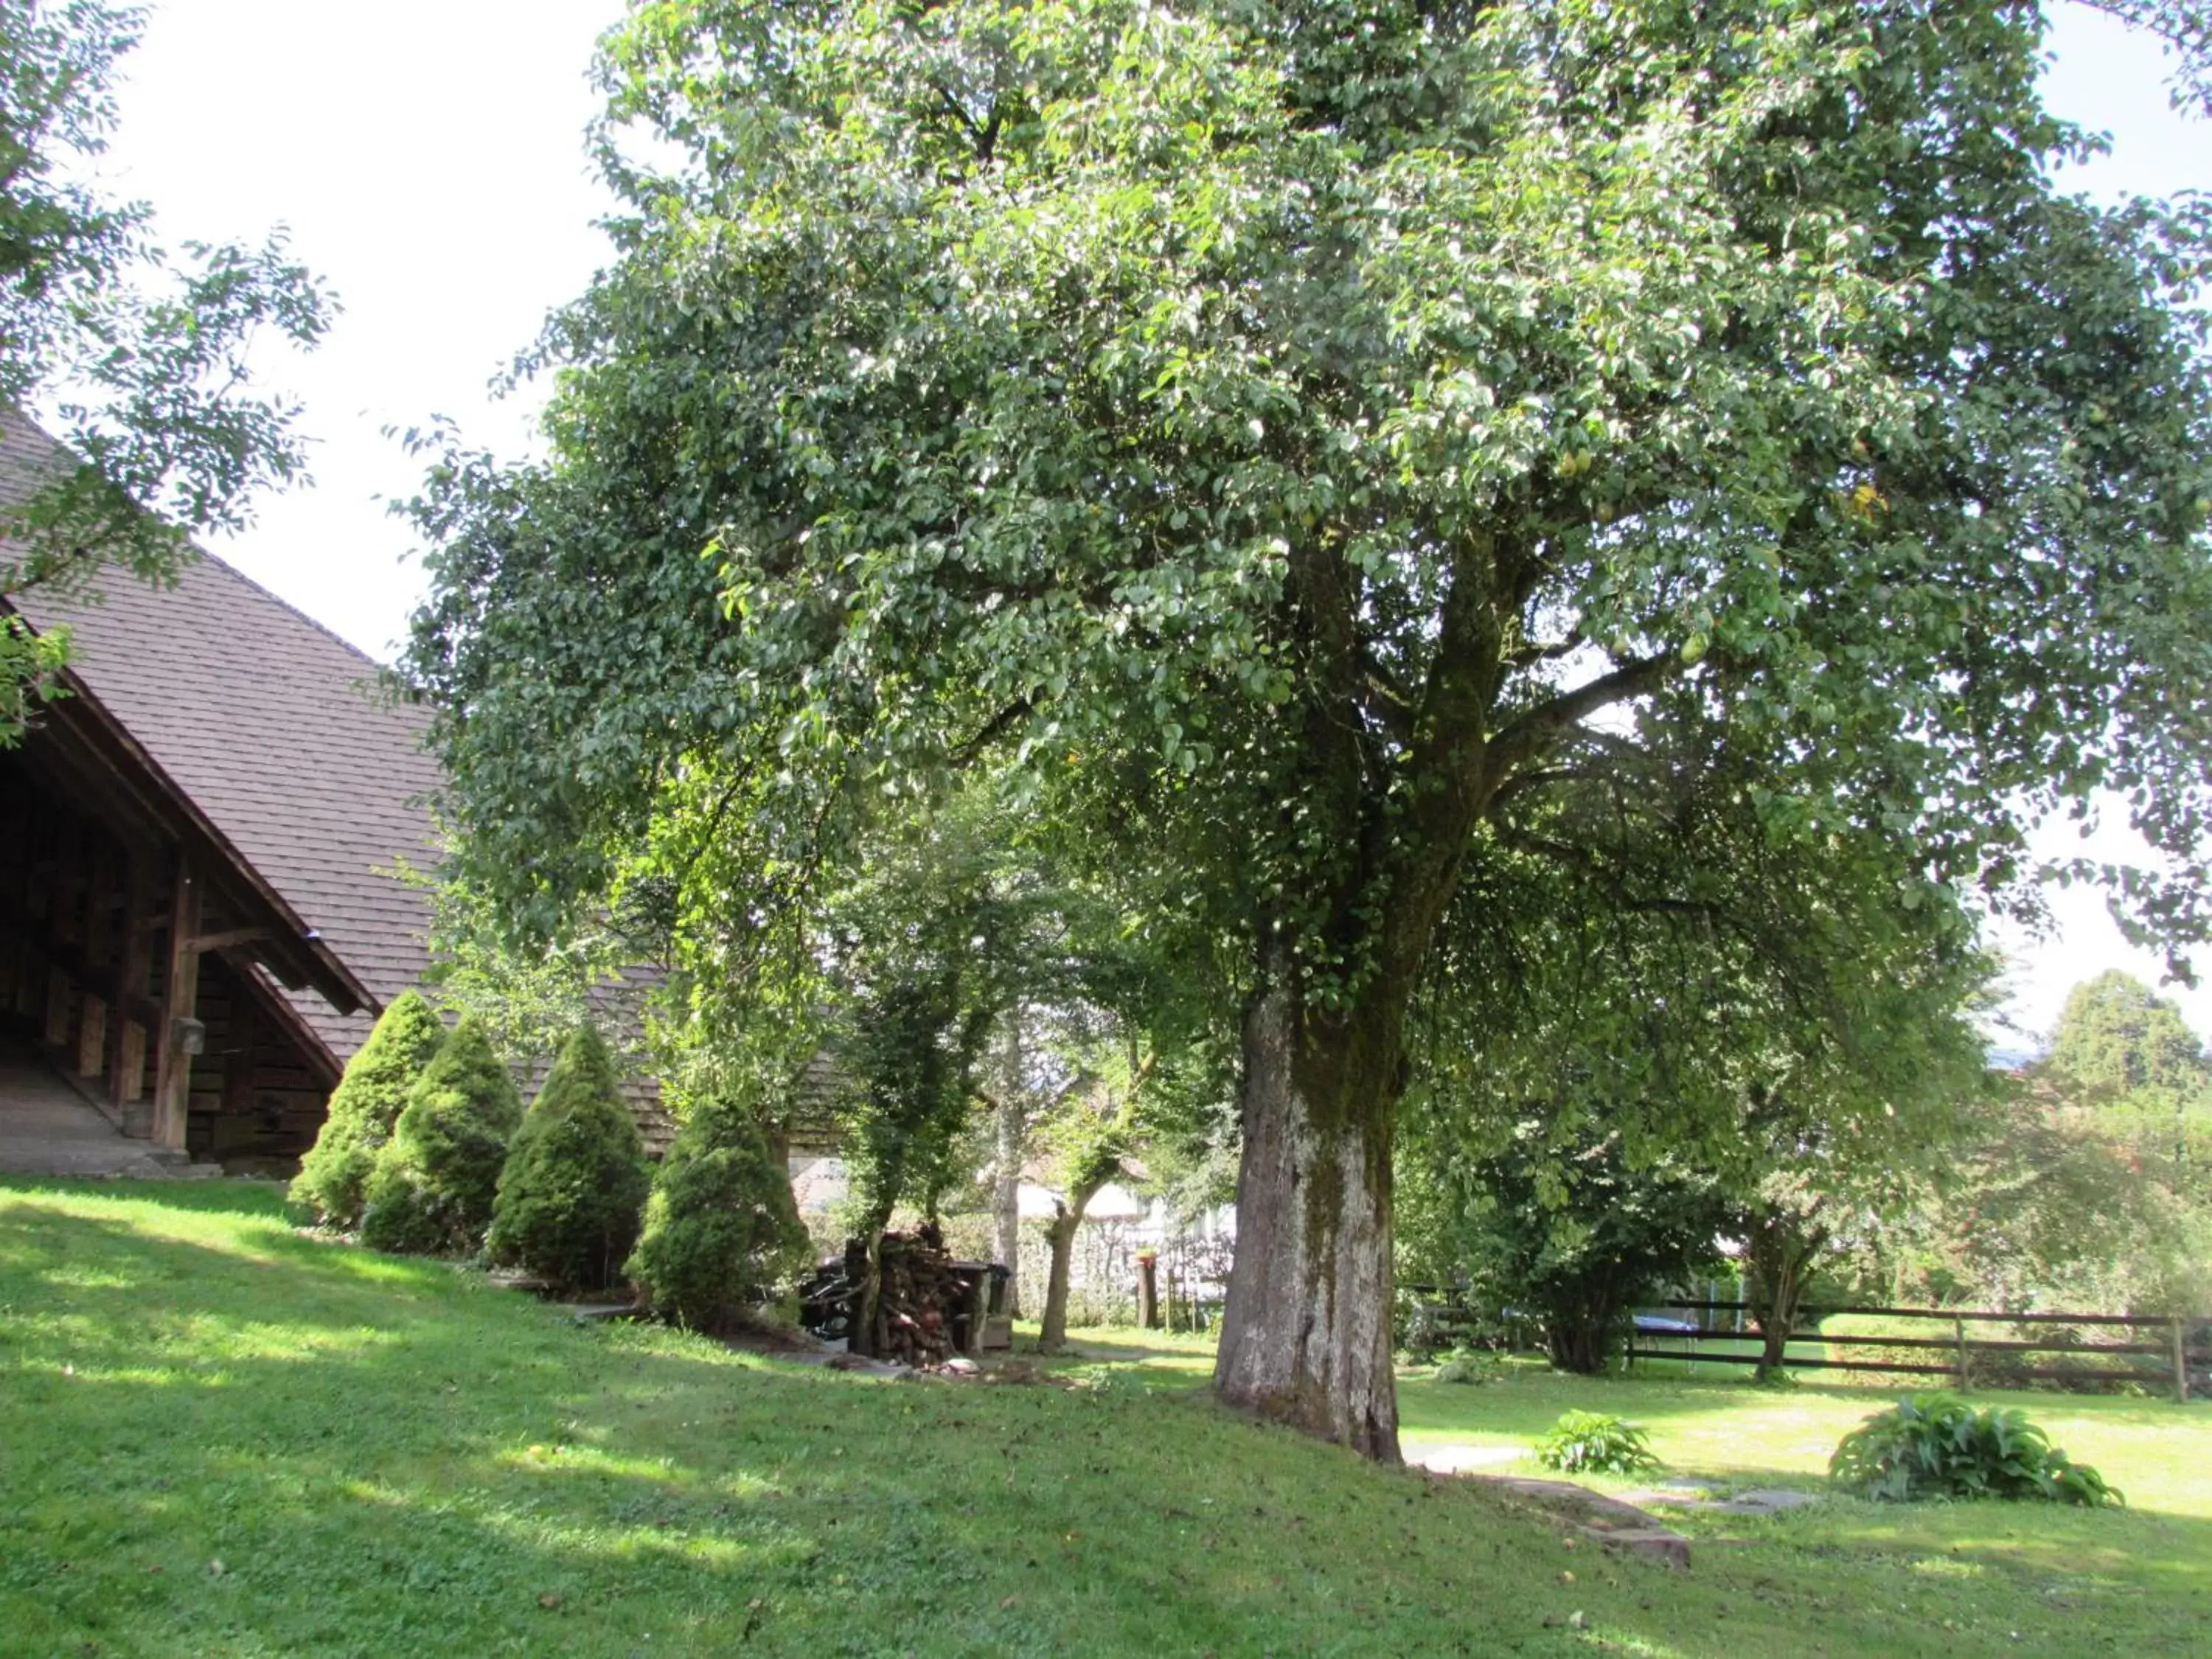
91	1034
238	1064
60	1006
173	1068
133	960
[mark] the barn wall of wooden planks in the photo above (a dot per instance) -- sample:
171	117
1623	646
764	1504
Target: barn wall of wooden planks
130	957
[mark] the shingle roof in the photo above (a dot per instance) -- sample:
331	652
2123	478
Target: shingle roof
271	725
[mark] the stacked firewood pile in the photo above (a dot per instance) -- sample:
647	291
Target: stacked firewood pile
928	1301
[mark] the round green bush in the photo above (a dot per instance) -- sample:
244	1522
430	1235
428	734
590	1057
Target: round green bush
433	1182
1592	1442
1937	1446
333	1179
569	1199
720	1227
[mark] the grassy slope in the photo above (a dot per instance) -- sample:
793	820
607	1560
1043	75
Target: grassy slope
2068	1580
389	1458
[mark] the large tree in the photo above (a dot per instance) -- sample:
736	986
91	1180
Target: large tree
143	354
1345	452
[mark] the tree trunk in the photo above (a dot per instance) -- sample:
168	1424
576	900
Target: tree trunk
1777	1256
1052	1336
1052	1332
1305	1338
867	1303
1582	1349
1774	1345
1007	1190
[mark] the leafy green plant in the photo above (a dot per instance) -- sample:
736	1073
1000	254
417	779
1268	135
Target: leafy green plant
720	1227
1594	1442
1469	1366
433	1185
333	1178
572	1195
1937	1446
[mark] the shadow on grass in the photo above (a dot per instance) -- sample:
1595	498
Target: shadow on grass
388	1457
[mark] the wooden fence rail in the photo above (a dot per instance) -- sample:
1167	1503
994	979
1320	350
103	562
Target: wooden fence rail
2179	1339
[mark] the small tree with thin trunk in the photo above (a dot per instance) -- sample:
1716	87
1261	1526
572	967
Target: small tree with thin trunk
1089	1133
333	1178
1782	1240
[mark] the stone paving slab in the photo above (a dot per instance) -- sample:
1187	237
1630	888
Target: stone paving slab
1607	1521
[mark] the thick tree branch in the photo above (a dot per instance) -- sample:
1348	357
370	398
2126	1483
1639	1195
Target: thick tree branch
1529	654
1532	735
965	752
1322	589
985	137
1447	767
1384	698
1530	779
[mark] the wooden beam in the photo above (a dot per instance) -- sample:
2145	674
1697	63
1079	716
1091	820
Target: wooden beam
173	1068
229	937
91	1035
134	960
130	1066
58	1006
72	961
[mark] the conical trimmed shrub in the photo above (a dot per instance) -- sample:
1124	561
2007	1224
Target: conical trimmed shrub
333	1178
570	1197
720	1227
435	1178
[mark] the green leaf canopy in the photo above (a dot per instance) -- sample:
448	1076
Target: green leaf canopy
1336	406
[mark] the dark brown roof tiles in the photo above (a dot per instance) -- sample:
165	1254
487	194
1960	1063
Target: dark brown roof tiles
276	730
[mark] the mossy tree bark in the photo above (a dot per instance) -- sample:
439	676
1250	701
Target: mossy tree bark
1306	1335
1306	1338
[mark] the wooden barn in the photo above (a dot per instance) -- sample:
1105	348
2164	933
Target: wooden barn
200	916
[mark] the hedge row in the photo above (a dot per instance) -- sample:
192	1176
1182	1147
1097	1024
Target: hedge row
427	1150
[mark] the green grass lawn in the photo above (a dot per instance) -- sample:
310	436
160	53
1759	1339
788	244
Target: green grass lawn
219	1437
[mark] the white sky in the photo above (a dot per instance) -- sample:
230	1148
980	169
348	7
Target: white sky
428	159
